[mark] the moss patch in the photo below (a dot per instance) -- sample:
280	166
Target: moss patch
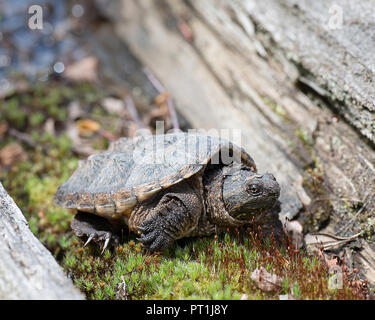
217	267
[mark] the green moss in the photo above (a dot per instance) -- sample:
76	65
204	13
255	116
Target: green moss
205	268
13	113
305	137
36	119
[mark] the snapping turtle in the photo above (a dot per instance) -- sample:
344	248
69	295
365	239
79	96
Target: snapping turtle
166	187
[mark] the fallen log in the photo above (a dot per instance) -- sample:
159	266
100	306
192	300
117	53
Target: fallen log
296	91
27	268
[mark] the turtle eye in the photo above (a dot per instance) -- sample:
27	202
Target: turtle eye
254	189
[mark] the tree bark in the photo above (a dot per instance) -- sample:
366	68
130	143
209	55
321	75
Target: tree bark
27	268
300	93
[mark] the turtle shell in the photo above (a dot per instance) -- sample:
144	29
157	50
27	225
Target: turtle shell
111	183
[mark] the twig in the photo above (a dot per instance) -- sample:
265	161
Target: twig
160	88
23	137
340	240
336	243
107	135
334	236
154	81
339	199
133	111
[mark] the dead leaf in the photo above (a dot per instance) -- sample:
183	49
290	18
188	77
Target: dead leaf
11	154
80	146
161	98
83	70
265	280
87	127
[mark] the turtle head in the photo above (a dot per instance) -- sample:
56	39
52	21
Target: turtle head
247	194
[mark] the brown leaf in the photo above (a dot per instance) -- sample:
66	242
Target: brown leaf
11	154
161	98
87	127
83	70
79	144
265	280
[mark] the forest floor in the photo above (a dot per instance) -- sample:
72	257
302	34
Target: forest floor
46	128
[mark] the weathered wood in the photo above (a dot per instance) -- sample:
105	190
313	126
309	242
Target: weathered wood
233	72
201	99
27	268
332	42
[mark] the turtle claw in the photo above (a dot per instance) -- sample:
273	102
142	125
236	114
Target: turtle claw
96	228
89	240
106	237
105	245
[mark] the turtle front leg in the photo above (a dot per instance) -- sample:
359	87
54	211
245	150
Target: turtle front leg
175	216
94	227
